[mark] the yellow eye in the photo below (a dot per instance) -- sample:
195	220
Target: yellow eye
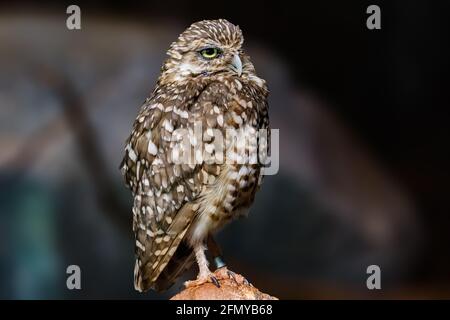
210	53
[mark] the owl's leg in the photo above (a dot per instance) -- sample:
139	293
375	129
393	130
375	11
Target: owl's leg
204	274
221	267
216	253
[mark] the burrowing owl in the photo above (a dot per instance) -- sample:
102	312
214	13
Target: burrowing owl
208	82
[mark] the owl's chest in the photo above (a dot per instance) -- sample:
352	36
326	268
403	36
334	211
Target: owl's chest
241	171
235	191
239	118
228	198
241	183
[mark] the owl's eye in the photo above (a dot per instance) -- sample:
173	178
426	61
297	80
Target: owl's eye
210	53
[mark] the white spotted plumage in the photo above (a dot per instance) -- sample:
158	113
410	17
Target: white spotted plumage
176	205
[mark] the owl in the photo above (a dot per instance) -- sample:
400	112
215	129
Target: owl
207	88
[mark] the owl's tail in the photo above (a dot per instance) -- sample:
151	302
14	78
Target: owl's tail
164	267
180	263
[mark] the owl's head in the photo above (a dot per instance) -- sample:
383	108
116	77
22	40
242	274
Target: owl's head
205	49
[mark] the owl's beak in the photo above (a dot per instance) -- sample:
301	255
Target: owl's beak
236	64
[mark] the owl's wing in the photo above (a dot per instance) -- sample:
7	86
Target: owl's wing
165	191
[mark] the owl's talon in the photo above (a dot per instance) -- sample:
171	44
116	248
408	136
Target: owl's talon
215	281
202	280
232	275
225	273
244	280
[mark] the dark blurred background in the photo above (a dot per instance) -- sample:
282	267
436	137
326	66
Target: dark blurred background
363	119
